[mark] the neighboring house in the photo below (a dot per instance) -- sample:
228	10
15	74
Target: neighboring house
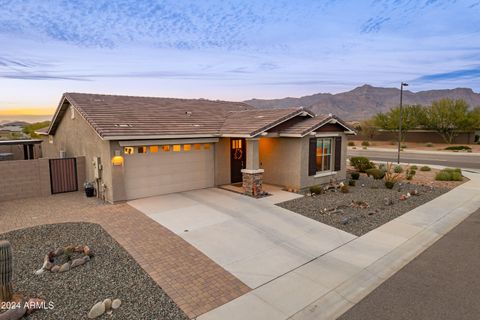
20	149
140	146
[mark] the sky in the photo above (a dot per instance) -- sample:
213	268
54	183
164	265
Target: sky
231	50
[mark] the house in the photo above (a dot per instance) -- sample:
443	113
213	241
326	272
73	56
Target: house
143	146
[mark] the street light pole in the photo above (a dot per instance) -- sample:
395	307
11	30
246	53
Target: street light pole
403	84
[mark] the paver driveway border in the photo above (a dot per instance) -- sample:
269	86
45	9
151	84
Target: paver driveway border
329	285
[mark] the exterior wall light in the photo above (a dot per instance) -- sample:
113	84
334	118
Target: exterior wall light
117	160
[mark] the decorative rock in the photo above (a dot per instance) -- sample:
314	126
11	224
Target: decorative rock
58	252
13	314
47	265
108	304
97	310
116	304
34	304
55	269
39	271
65	267
78	249
86	250
387	201
86	258
77	262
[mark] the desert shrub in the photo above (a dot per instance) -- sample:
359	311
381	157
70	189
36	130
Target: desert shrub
429	144
425	168
361	163
449	174
344	189
393	142
410	173
391	177
316	190
414	167
377	174
398	169
458	148
382	167
403	146
355	175
352	183
351	144
389	184
365	144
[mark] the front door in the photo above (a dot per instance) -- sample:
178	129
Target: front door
237	159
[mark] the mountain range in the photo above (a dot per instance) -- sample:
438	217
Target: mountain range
365	101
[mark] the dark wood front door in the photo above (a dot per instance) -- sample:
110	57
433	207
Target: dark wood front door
238	158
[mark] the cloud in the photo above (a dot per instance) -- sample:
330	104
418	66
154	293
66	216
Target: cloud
464	74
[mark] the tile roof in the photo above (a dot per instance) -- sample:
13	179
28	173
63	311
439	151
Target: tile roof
309	125
128	117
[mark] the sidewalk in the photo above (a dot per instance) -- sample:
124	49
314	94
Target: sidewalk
327	286
441	283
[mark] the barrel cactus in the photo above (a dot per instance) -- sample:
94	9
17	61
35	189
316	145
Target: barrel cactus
6	270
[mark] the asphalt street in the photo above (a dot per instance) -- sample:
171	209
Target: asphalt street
441	283
456	160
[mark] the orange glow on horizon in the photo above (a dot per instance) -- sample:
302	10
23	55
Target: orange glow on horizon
28	111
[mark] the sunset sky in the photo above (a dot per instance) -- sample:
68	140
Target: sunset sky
233	50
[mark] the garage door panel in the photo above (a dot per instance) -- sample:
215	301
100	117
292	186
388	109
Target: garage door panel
167	172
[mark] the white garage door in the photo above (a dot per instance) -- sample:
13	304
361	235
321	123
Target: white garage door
163	172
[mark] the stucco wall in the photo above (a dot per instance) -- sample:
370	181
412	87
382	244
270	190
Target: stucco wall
280	158
306	180
77	138
222	162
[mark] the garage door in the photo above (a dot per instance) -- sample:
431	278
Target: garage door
177	168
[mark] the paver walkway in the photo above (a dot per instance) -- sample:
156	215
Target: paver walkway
190	278
441	283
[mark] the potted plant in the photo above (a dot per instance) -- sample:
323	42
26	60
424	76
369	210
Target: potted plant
89	189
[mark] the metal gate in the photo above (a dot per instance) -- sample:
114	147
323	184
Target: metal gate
63	175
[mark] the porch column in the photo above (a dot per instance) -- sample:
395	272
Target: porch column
252	175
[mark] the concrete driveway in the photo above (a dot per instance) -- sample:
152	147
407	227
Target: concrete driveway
251	238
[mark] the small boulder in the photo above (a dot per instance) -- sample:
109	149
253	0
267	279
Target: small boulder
13	314
77	262
47	265
34	304
65	267
86	250
108	304
78	249
39	271
58	252
86	258
116	304
97	310
55	269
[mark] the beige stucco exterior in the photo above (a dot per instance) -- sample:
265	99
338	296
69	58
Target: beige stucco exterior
77	138
284	160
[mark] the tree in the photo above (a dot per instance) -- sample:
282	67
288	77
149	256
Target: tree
450	117
31	128
368	129
413	116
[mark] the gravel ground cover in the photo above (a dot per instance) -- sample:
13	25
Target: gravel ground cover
111	273
335	208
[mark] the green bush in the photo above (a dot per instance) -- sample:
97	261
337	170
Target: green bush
458	148
382	166
365	144
449	174
425	168
344	189
377	174
361	163
355	175
389	184
352	183
351	144
398	169
429	144
414	167
316	190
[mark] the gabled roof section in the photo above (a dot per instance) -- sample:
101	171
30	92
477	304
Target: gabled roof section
301	129
256	121
113	116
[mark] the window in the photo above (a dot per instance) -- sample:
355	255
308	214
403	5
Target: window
165	148
128	150
153	149
142	149
324	154
206	146
176	148
187	147
197	146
